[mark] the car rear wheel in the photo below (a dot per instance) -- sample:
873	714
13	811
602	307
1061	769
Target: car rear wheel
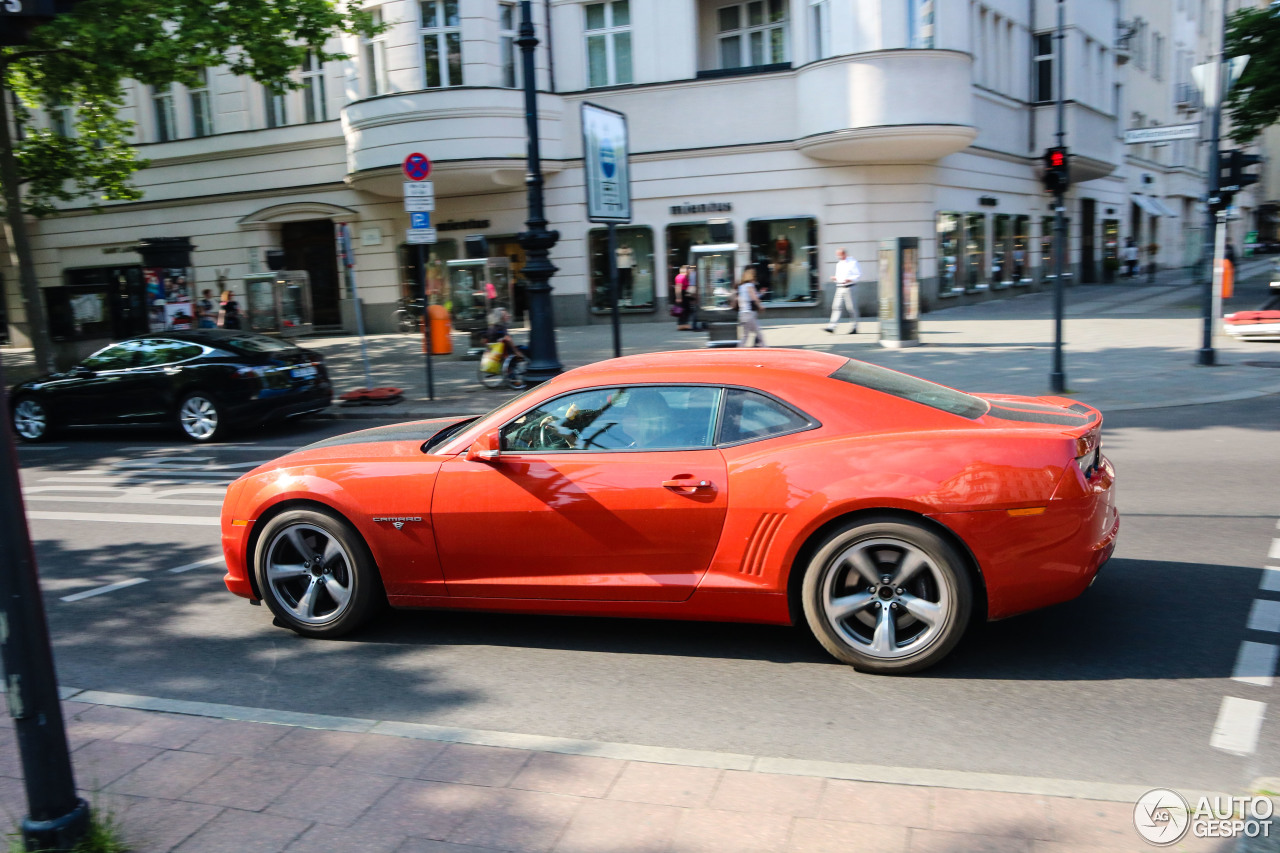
887	596
31	420
200	417
316	574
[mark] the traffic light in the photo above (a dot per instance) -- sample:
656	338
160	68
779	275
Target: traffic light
1232	176
1057	170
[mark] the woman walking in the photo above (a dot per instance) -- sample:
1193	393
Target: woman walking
749	308
685	315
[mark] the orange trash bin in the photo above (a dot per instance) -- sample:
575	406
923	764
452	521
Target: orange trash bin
441	344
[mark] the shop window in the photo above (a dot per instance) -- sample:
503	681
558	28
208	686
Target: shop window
635	269
1002	251
751	34
948	229
975	251
608	29
1047	262
682	237
785	255
441	43
1021	248
436	256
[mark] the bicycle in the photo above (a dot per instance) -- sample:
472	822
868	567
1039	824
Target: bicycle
510	373
407	314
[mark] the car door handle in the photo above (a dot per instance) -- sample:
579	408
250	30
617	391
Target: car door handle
686	485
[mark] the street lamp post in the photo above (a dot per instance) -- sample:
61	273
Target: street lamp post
1215	226
1058	376
537	240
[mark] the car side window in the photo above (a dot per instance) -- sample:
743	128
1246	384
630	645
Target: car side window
749	416
647	417
115	357
154	353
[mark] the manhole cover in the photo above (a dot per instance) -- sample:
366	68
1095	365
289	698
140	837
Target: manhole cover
1262	364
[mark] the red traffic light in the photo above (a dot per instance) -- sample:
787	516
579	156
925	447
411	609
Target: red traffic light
1057	158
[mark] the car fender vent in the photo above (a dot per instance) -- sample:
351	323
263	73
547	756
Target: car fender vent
759	543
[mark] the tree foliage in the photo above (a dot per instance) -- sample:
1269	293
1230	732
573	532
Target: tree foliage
80	60
1254	102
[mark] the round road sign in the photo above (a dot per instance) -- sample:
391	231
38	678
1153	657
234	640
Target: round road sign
417	167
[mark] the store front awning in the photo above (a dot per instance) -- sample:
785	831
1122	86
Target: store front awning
1153	206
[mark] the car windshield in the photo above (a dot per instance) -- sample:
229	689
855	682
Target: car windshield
257	343
910	388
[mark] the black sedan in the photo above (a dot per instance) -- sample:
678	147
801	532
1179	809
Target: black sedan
204	382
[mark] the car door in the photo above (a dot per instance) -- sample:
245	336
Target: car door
609	494
87	394
145	392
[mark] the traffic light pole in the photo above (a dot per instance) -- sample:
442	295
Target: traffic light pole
1058	376
1217	215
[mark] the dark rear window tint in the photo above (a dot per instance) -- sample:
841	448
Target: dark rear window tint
910	388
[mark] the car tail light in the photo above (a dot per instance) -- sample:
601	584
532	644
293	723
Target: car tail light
1089	452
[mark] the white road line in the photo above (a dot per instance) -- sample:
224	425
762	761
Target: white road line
1256	664
127	518
111	587
282	447
122	499
1239	721
1264	615
1274	553
209	562
1270	579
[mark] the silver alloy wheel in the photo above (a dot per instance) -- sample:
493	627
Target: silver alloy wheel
199	417
886	597
30	420
310	573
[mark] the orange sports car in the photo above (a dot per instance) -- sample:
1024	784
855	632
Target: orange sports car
885	511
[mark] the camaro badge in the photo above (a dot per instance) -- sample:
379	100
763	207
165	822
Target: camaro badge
399	520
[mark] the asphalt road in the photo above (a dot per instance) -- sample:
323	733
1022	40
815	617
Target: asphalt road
1122	685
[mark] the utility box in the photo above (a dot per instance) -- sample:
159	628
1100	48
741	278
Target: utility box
899	292
279	302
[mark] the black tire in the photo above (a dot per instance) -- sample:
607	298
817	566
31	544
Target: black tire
340	589
200	417
30	420
887	627
514	369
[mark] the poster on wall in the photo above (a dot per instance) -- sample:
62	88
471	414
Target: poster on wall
169	298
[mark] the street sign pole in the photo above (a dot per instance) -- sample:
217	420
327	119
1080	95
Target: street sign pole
420	202
613	290
1058	376
606	167
426	319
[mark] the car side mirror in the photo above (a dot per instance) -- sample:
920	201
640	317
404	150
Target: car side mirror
486	448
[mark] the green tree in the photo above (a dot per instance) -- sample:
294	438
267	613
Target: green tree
1254	102
79	61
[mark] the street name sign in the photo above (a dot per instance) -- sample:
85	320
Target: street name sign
1140	135
418	236
605	156
419	196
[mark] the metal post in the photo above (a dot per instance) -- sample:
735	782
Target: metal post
426	319
57	818
1206	355
349	261
613	289
537	240
1058	376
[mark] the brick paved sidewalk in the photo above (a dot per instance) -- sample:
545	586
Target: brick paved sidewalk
196	784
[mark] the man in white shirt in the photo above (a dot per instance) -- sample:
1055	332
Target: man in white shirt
846	295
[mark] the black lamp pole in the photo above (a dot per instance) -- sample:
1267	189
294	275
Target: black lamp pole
1058	375
1217	214
537	241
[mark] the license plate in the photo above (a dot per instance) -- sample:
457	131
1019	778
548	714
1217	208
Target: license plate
305	372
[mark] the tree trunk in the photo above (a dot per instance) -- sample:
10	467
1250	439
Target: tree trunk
20	242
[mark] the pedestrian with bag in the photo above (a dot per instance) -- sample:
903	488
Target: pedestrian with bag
846	294
747	300
680	301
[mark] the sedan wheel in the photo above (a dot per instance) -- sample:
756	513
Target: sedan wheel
200	418
31	420
316	574
887	596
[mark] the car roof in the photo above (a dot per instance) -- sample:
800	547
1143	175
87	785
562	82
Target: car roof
710	365
213	337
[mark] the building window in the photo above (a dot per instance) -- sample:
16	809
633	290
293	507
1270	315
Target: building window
62	121
920	23
820	28
608	43
948	229
1044	68
313	93
1157	56
201	107
1002	251
508	28
975	251
441	43
166	122
277	115
1139	44
1021	245
634	260
785	255
373	59
752	34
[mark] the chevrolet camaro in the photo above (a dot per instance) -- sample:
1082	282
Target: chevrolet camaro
777	486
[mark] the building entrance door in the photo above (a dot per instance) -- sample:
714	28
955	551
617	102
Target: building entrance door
1088	212
312	246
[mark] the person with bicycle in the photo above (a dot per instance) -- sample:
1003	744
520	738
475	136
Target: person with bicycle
511	357
498	333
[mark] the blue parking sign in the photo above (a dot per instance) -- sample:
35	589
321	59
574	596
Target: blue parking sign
419	220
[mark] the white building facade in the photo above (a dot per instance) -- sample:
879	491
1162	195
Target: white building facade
788	128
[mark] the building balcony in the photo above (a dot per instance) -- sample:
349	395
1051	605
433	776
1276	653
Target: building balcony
887	106
474	136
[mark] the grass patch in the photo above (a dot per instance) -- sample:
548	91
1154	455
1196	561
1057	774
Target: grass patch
104	835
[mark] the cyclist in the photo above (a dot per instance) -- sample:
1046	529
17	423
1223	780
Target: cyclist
497	333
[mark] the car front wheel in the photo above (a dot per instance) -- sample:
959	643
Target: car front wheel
316	574
31	420
200	417
887	596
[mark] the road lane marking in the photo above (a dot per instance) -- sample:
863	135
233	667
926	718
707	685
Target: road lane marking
1256	664
111	587
1270	579
209	562
121	499
1274	553
126	518
1264	615
1239	721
